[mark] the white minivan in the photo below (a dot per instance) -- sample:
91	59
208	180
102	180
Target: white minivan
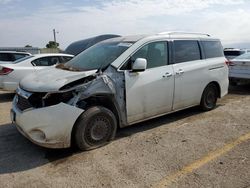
117	83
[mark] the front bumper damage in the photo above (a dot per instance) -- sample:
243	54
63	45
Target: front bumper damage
49	127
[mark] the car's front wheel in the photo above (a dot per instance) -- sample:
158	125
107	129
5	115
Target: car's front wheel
209	97
94	128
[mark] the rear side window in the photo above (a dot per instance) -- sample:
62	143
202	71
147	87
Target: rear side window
212	49
186	50
46	61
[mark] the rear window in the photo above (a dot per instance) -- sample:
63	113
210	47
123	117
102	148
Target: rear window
186	50
233	53
19	56
6	57
212	49
244	56
22	59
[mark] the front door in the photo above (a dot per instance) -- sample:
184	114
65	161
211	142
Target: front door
150	93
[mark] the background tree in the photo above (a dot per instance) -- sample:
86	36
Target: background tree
52	44
28	46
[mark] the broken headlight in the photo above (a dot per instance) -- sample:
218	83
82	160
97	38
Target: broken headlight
38	100
56	98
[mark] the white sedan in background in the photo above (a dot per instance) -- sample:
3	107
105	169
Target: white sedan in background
11	74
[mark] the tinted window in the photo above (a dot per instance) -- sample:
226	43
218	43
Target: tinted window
212	49
6	57
46	61
233	53
186	51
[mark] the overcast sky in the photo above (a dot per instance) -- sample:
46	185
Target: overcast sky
31	22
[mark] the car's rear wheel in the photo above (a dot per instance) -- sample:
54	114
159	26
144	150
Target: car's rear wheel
209	97
94	128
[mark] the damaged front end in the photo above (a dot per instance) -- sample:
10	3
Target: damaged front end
48	118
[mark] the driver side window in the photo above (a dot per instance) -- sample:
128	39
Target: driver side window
156	54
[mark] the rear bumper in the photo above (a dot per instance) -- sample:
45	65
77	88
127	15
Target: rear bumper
239	72
7	85
239	75
48	127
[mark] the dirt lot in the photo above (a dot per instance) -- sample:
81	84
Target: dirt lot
185	149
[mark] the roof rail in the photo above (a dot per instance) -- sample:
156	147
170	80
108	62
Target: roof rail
181	32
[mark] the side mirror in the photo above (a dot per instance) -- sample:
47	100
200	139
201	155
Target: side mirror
139	65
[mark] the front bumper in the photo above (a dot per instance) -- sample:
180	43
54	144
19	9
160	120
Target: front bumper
49	127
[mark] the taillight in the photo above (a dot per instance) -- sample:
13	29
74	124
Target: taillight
229	63
5	71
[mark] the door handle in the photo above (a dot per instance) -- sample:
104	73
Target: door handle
180	71
167	75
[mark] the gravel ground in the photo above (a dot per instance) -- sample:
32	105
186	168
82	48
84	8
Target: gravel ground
185	149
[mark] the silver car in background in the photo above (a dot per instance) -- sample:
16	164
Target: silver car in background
239	69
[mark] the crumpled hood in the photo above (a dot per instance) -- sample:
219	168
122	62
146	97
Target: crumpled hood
51	79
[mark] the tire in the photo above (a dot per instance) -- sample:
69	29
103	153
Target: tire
209	97
95	128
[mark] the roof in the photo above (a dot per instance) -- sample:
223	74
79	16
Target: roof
131	38
168	35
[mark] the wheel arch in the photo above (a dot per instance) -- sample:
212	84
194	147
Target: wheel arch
217	86
106	101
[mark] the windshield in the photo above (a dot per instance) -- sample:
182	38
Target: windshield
22	59
244	56
98	56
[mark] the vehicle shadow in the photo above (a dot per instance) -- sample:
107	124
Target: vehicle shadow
18	154
240	89
159	121
6	97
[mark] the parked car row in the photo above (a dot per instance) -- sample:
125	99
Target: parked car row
239	69
11	74
116	83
